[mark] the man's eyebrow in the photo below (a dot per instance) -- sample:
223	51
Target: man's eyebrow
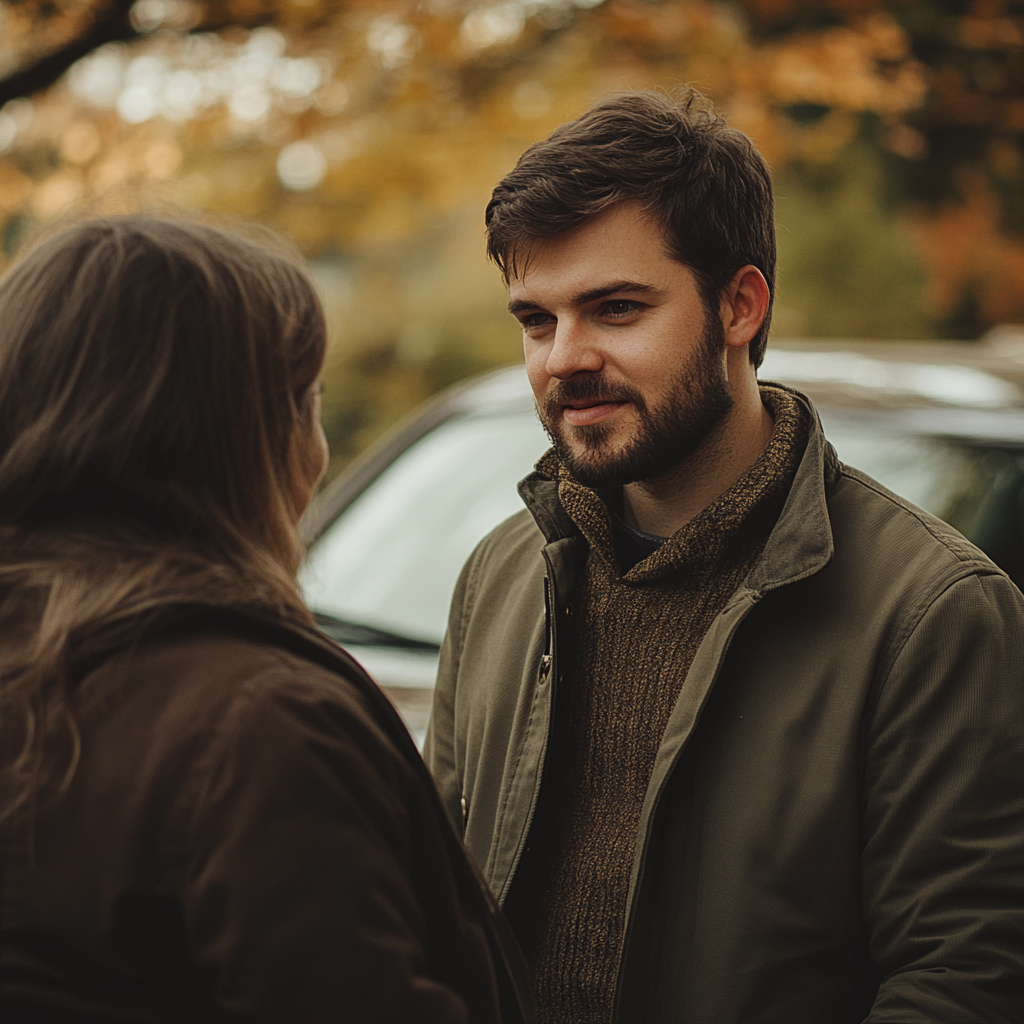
619	286
582	298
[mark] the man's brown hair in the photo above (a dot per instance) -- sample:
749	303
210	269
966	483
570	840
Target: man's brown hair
702	181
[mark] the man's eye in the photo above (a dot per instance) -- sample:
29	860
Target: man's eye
621	308
534	320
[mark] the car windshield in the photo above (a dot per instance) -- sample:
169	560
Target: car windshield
391	559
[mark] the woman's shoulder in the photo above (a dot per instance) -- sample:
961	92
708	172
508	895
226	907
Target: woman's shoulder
213	664
250	688
208	665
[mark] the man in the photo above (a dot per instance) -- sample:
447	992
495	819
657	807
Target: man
735	733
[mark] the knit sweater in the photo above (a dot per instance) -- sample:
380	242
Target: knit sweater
626	644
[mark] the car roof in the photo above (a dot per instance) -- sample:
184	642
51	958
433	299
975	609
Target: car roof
849	373
940	388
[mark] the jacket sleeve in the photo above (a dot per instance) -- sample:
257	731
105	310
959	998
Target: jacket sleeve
439	746
943	852
299	900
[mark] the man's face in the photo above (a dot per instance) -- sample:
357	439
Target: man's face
628	372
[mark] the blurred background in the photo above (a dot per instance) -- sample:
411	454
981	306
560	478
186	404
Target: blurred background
370	132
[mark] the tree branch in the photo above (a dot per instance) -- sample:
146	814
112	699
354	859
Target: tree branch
115	27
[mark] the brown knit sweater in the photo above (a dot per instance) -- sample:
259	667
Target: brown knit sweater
625	649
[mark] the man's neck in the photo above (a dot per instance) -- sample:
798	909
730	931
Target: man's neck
665	504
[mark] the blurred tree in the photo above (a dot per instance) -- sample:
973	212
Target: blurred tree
953	163
847	267
370	132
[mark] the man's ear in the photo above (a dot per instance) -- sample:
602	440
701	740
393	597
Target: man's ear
744	306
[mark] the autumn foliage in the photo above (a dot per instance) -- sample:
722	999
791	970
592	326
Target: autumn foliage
370	132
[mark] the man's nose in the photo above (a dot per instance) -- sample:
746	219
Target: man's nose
574	350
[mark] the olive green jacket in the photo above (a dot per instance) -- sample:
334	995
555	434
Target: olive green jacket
834	829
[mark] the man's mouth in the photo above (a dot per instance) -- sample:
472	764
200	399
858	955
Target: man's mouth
582	414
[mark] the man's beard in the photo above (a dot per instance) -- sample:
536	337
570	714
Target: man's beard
698	401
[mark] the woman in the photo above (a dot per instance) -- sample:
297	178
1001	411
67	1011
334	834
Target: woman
208	811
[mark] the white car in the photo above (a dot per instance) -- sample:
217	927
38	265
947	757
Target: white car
940	423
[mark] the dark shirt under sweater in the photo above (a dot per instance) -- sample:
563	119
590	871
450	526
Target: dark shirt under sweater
631	545
626	646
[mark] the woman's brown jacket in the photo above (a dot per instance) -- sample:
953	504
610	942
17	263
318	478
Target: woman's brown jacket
250	835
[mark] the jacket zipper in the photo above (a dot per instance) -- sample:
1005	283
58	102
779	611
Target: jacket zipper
547	657
546	675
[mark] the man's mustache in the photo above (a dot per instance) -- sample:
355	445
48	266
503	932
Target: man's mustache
589	391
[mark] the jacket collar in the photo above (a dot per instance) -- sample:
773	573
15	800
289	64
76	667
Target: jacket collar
540	494
799	545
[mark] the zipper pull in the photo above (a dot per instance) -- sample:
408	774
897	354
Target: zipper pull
545	668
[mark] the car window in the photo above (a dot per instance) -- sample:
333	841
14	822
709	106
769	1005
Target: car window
930	472
392	558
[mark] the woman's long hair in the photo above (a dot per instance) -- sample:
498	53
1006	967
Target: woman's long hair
155	391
